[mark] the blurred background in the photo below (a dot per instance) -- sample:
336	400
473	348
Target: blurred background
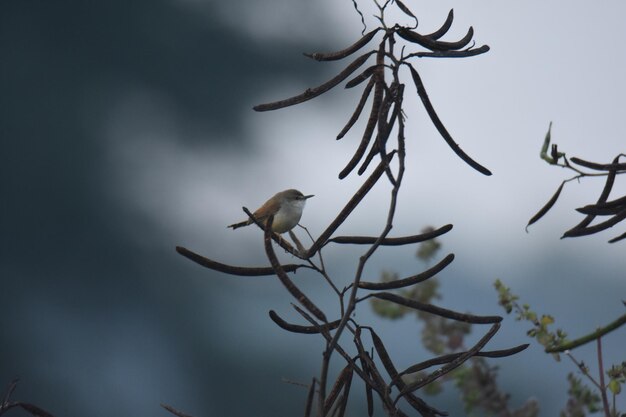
126	129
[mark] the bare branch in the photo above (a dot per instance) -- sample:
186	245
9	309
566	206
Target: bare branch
282	275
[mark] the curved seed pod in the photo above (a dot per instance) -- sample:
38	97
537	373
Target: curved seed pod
451	54
368	389
608	186
361	77
416	402
351	205
378	147
296	328
358	110
415	279
599	167
444	28
384	129
406	11
383	355
342	379
367	134
392	241
598	227
314	92
421	91
333	56
439	311
230	269
376	381
440	360
618	202
547	206
284	278
600	210
435	45
618	238
379	79
452	365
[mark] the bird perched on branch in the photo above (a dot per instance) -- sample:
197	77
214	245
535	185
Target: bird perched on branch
286	207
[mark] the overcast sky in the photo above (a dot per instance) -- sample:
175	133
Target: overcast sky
128	129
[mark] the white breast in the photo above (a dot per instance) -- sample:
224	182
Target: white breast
288	216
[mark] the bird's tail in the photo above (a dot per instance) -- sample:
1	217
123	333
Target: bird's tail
238	225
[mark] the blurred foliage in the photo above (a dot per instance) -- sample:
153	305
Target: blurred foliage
582	400
475	380
540	330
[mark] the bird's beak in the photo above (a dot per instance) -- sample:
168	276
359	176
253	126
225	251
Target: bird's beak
309	196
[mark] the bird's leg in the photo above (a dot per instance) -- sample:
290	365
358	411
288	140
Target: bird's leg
293	237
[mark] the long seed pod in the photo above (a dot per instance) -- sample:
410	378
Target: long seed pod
599	167
406	11
379	79
392	241
368	389
377	382
333	56
351	205
314	92
608	184
296	328
309	399
230	269
440	360
343	402
452	365
618	202
416	402
367	73
439	311
421	91
377	146
412	280
383	355
284	278
547	206
618	238
344	375
598	227
367	134
451	54
600	210
435	45
604	195
358	110
383	127
444	28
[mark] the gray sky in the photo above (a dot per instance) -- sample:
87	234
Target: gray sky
128	130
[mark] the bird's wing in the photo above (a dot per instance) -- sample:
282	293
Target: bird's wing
263	212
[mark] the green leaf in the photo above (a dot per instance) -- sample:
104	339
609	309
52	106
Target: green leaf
615	386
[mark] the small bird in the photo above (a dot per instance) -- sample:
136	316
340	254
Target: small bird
286	207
